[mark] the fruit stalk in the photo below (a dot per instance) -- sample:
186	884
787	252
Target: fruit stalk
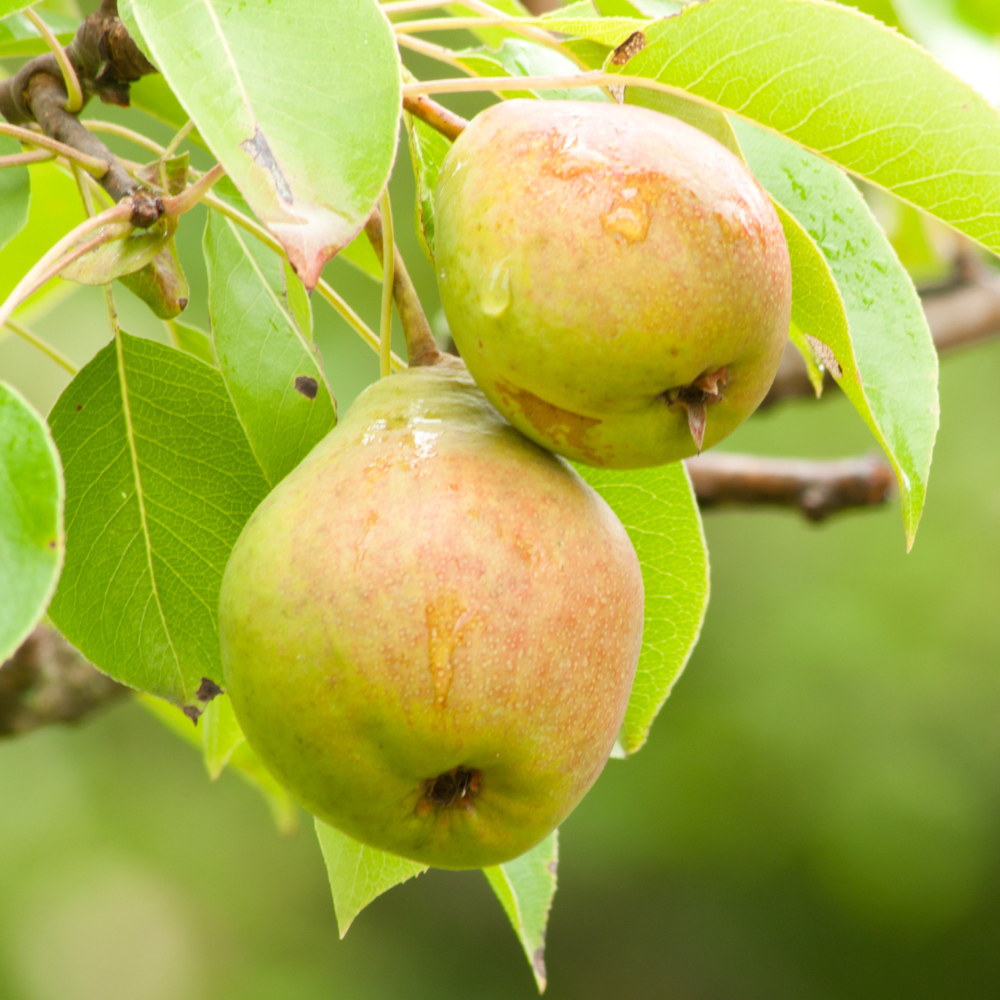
420	346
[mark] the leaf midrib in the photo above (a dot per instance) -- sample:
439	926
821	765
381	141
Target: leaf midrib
127	412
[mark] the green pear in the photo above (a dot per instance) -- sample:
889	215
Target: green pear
430	628
617	281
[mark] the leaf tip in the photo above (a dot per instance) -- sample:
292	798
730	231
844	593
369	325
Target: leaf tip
311	235
538	968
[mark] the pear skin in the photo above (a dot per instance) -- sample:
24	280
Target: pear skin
430	628
616	280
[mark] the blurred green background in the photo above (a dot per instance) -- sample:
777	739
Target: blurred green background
816	814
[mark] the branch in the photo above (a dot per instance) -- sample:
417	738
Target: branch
46	96
106	61
48	681
436	115
420	346
817	489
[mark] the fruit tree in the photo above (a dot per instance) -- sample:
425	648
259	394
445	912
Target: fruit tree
432	616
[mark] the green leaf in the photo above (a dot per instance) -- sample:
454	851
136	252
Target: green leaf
220	734
215	732
301	107
970	53
840	83
167	174
31	519
55	209
160	480
242	760
593	55
297	301
428	149
525	887
19	37
639	8
118	258
15	194
189	338
610	31
894	384
706	120
586	9
359	873
271	370
517	57
161	284
660	514
818	312
273	266
284	810
11	6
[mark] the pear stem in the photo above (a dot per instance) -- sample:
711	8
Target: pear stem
420	346
450	125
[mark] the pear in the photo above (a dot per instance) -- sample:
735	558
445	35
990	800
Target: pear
616	280
430	628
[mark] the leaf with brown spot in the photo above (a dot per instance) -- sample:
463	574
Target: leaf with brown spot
852	296
270	367
632	45
825	356
151	514
307	386
311	169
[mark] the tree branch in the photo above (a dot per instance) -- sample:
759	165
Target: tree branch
48	681
106	61
817	489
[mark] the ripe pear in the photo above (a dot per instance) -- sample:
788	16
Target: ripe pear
430	628
616	280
